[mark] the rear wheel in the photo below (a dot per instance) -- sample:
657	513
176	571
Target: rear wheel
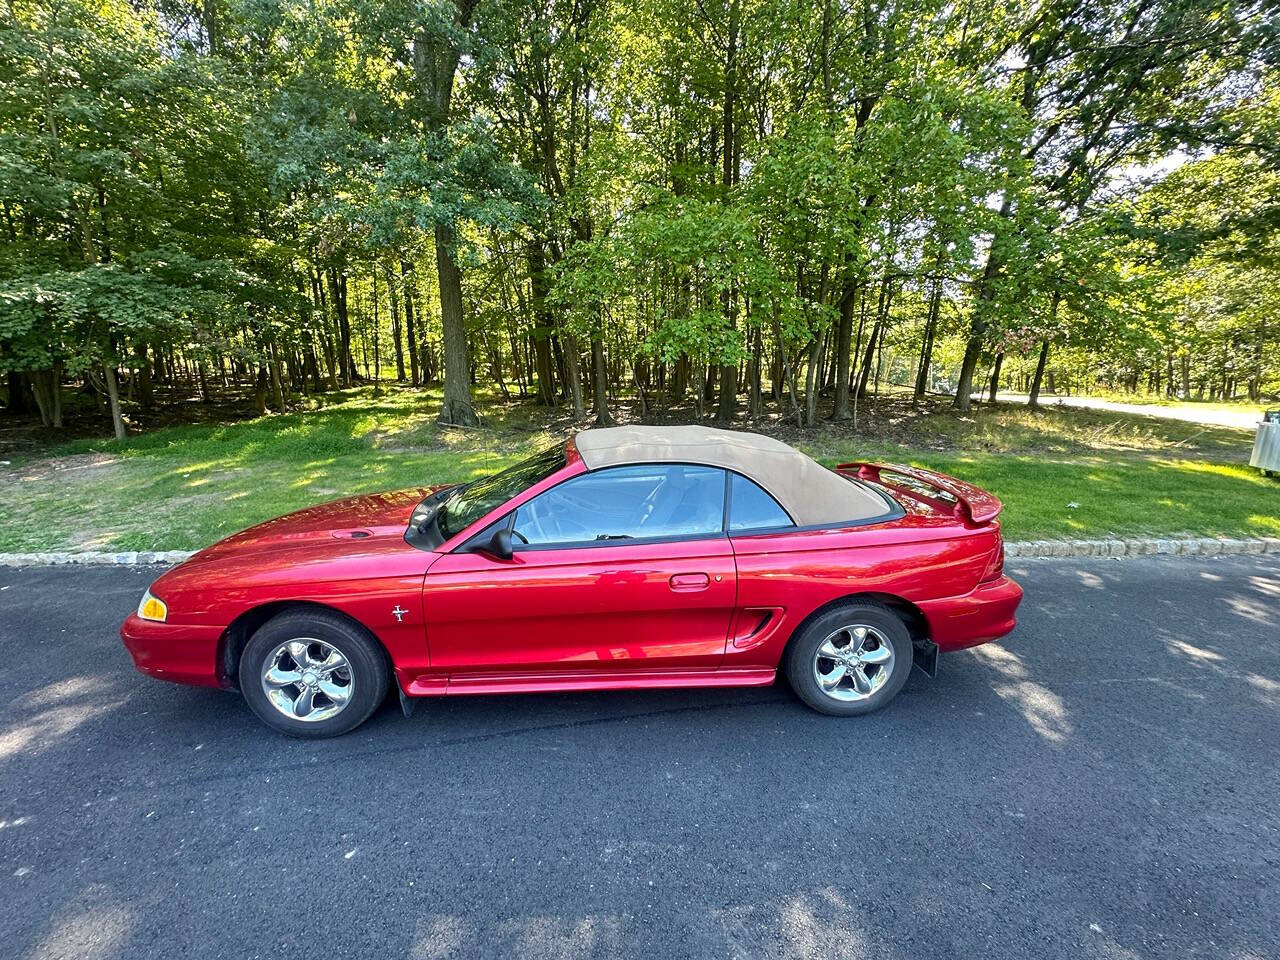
310	673
850	660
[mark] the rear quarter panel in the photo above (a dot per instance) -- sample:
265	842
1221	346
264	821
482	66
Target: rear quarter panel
919	558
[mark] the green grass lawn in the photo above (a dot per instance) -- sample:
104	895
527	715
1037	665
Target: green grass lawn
184	487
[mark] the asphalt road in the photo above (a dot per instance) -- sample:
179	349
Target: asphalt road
1105	783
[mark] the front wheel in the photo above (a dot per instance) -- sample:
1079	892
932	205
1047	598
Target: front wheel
850	660
311	673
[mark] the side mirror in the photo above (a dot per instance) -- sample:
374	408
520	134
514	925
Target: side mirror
500	545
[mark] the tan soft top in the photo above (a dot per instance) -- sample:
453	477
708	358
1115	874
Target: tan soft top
811	493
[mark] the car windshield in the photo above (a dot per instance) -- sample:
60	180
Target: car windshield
471	501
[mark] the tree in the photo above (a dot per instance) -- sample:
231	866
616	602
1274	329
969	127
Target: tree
1105	85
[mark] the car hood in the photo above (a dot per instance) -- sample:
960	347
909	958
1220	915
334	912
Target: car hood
339	524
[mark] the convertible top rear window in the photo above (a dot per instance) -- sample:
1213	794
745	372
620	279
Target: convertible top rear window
751	508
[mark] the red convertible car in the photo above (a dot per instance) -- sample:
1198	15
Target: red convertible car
625	558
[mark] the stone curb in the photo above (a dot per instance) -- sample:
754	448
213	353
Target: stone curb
1028	549
127	558
1141	547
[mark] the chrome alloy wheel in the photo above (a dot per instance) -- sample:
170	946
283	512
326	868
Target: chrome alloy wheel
853	662
307	679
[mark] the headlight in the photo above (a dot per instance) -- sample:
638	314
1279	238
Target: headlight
152	609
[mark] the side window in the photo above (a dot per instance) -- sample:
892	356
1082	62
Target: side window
750	508
642	502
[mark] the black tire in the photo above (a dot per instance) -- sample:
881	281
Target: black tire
882	626
366	673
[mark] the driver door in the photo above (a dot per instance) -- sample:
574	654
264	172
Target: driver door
620	569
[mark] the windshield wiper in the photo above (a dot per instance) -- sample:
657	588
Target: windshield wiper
614	536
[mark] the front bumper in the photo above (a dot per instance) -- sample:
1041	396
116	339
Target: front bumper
985	614
182	653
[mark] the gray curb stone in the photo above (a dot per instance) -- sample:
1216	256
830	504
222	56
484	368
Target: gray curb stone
125	558
1142	546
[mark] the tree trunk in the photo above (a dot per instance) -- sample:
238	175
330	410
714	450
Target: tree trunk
437	50
868	359
1255	375
755	393
680	379
727	402
277	387
202	376
406	279
857	342
599	380
310	365
209	20
397	330
495	366
113	396
457	408
326	336
811	381
260	390
1033	400
55	394
377	341
542	323
640	380
331	362
338	295
146	392
46	387
875	343
573	376
995	375
844	344
544	364
824	362
699	389
926	345
727	405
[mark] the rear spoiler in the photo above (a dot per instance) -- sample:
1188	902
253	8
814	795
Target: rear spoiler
980	506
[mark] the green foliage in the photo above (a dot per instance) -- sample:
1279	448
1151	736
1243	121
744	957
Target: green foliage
214	189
